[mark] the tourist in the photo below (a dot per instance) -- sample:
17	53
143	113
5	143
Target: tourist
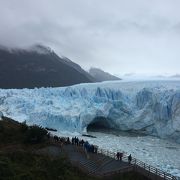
68	140
81	143
129	159
117	155
73	140
76	141
120	156
96	149
92	148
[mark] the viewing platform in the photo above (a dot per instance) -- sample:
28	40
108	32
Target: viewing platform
104	163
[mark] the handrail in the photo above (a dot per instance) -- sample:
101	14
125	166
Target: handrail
138	163
117	171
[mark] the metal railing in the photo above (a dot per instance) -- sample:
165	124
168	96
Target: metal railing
137	163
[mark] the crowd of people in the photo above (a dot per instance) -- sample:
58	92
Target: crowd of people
86	146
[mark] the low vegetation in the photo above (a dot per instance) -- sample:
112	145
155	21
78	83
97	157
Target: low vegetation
19	159
14	132
28	166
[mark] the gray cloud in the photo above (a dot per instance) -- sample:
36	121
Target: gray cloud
138	36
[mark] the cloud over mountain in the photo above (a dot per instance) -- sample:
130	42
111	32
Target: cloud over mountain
137	36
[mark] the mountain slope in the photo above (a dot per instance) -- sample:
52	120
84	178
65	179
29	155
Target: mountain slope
99	75
38	67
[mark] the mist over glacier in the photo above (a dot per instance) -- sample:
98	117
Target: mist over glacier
148	107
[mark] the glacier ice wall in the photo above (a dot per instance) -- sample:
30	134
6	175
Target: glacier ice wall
151	107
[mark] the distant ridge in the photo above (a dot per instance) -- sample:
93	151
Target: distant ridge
99	75
38	66
176	76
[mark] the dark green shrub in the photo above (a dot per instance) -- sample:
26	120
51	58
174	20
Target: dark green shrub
35	134
23	127
1	128
5	167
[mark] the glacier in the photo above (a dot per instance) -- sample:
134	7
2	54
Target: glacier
148	107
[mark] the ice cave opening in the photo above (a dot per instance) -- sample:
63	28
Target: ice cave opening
105	125
99	124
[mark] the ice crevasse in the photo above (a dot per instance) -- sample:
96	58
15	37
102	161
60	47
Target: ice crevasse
150	107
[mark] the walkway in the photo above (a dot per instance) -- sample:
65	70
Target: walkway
95	164
104	163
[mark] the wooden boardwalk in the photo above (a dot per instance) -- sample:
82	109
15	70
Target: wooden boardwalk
94	164
104	163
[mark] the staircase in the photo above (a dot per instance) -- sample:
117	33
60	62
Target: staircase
104	163
93	164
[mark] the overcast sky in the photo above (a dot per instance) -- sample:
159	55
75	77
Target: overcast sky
119	36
